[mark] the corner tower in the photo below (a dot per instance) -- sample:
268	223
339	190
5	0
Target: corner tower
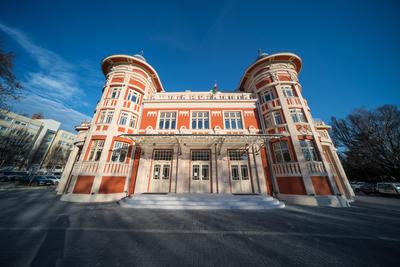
104	170
301	169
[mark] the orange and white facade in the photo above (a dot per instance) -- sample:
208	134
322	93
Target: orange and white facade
260	139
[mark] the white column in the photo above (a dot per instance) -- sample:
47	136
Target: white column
67	170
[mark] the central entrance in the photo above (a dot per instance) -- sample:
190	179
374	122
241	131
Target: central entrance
200	181
160	181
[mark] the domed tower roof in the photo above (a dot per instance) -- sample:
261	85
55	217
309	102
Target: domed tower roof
140	56
261	54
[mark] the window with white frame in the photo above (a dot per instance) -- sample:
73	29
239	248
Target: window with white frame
167	121
236	155
120	151
277	117
281	152
109	116
200	120
297	115
132	121
233	120
268	121
287	91
162	155
95	150
200	155
124	118
133	96
115	91
267	96
105	116
307	146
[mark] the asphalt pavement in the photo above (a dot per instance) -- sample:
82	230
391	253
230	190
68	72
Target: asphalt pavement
36	229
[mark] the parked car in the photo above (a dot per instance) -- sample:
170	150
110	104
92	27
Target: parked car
54	179
368	188
11	175
388	189
357	186
41	180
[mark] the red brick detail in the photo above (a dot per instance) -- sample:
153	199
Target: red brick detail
112	184
140	72
264	82
321	185
291	185
117	80
105	127
135	168
98	127
83	184
267	174
136	83
121	129
284	77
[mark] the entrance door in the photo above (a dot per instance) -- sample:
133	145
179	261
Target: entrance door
161	173
239	172
200	172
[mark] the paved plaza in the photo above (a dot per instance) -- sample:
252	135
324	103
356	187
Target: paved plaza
37	229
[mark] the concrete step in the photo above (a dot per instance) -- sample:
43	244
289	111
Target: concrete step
201	202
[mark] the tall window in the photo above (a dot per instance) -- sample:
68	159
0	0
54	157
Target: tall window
105	116
297	115
124	118
167	121
233	120
115	92
132	121
287	91
267	96
133	96
109	116
281	152
120	152
308	149
200	120
96	149
277	117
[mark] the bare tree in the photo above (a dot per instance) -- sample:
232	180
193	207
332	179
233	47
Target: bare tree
369	142
9	86
57	156
15	146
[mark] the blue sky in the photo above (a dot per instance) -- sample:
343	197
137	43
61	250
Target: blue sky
350	49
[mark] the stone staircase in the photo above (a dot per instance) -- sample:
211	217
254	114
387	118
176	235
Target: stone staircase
174	201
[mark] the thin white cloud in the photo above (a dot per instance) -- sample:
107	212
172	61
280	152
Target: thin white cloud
53	88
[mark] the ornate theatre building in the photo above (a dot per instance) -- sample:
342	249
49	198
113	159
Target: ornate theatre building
260	139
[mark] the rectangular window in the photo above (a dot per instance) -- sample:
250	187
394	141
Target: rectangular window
133	96
277	117
109	116
119	152
167	121
132	121
308	149
268	121
287	91
233	120
267	96
200	155
237	155
124	118
297	115
115	92
157	169
95	151
200	120
281	152
245	172
163	155
235	172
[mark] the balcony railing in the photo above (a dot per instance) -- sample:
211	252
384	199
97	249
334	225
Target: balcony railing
199	96
92	167
286	169
316	168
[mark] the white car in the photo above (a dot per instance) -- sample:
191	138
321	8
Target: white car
388	189
53	179
357	186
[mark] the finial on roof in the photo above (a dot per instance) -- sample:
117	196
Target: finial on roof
261	54
140	56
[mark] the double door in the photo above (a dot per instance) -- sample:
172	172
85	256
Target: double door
200	181
161	177
240	177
